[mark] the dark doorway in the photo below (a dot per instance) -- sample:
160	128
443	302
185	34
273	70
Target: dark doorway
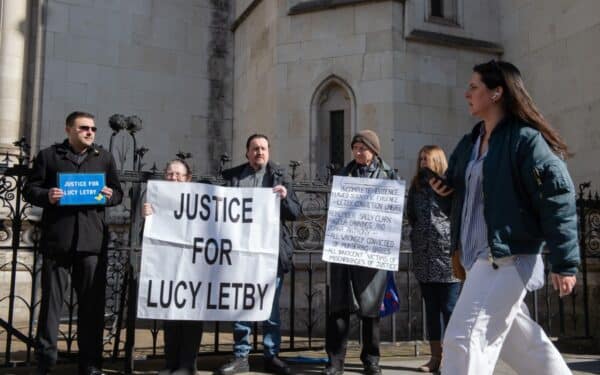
336	139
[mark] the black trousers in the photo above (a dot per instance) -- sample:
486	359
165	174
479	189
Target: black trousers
336	340
440	299
88	277
182	343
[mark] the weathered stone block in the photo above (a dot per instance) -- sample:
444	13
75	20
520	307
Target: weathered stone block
332	24
438	70
289	52
88	22
373	17
350	45
378	41
407	117
57	18
151	59
379	91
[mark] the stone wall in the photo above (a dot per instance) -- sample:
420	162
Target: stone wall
254	76
410	91
168	62
14	34
552	42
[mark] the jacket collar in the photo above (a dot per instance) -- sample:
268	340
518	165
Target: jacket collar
65	147
271	169
478	128
377	163
65	151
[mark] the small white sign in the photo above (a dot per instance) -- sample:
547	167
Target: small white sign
364	222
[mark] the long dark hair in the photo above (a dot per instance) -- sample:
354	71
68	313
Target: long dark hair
517	101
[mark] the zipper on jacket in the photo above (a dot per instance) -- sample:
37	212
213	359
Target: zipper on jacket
538	178
492	260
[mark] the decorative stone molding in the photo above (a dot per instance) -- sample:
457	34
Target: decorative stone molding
238	21
455	41
318	5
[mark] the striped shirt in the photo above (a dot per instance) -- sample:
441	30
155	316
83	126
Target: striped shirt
474	233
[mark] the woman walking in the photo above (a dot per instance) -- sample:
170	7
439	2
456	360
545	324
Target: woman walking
511	195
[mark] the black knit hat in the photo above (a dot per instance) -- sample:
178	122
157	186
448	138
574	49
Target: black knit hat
369	138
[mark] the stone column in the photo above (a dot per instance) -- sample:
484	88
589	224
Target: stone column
14	35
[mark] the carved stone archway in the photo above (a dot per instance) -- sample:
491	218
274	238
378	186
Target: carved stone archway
333	122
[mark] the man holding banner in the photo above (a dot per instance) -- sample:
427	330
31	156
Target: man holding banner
73	182
260	172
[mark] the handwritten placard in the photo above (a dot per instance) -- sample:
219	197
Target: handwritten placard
364	222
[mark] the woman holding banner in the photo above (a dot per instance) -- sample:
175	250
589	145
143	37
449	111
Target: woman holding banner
356	289
430	242
182	338
511	194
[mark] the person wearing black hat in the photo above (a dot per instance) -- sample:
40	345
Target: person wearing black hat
356	289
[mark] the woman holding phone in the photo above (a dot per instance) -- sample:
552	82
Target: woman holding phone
430	242
511	194
182	338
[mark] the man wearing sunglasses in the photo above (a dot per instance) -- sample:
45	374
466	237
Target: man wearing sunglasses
73	238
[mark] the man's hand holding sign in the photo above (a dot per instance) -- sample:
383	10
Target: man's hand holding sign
80	189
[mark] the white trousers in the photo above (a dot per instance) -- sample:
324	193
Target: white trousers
490	320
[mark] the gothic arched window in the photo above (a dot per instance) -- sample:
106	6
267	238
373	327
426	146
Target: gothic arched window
332	126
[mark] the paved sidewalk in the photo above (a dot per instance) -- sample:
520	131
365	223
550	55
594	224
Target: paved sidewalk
579	364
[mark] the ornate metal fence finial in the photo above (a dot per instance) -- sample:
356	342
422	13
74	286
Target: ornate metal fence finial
117	123
294	165
224	159
582	187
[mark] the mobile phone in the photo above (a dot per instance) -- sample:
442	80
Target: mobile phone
428	174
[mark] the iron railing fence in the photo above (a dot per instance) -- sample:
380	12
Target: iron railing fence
305	299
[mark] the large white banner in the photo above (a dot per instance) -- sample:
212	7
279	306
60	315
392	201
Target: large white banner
209	253
364	222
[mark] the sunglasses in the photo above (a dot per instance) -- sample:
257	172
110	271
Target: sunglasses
86	128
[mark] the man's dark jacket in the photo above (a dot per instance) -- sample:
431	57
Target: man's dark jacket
290	207
65	228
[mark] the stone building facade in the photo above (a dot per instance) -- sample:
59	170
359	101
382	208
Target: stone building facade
168	62
205	74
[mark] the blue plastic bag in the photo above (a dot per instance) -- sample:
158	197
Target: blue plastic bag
391	300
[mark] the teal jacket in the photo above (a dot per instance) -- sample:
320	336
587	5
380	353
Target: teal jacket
529	197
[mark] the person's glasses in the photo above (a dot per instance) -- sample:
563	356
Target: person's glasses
358	148
175	174
85	128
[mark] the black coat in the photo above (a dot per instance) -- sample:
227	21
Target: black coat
65	228
290	208
355	288
429	235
